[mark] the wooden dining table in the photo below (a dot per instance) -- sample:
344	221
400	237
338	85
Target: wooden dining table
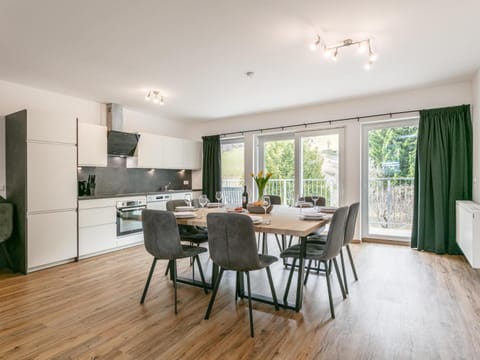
282	220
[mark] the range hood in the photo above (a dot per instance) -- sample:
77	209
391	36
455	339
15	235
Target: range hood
120	143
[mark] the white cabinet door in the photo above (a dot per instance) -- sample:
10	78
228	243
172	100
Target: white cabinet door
181	195
52	238
52	177
150	151
51	127
92	145
94	239
173	150
192	154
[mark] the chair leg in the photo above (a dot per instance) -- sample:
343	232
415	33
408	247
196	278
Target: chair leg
287	289
290	241
168	268
272	288
250	304
339	277
173	271
214	294
308	272
351	263
200	270
237	284
345	283
265	244
327	276
152	268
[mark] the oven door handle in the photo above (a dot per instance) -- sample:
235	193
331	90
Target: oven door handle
132	209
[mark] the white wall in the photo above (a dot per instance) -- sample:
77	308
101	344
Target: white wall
476	136
431	97
15	97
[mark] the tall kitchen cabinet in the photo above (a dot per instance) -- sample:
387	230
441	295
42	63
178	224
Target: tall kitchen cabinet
41	177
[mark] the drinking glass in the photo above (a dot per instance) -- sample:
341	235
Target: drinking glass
218	196
265	204
203	200
315	199
188	199
299	202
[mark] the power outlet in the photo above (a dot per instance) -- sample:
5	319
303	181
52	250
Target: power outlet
185	182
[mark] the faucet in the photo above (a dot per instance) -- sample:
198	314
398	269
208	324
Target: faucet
166	186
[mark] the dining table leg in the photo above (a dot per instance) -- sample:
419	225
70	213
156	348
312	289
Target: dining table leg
264	244
301	269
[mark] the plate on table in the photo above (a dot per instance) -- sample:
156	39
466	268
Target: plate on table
184	214
327	209
213	205
185	208
236	210
303	204
312	216
256	219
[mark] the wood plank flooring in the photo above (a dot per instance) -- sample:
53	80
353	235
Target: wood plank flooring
406	305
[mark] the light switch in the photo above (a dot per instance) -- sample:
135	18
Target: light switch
185	182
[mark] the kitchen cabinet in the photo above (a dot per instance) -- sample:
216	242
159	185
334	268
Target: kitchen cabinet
97	227
52	238
164	152
468	230
180	195
41	177
92	145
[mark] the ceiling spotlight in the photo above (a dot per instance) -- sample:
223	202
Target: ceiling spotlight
332	51
155	97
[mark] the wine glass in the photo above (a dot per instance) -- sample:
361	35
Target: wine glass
315	199
266	204
300	201
203	200
188	199
218	196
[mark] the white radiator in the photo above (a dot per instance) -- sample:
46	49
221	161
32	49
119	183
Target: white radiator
468	231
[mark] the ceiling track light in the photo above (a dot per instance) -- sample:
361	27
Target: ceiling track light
155	97
331	52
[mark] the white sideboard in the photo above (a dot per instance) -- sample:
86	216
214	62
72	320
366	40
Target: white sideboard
468	231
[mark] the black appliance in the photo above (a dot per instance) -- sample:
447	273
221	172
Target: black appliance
129	216
122	143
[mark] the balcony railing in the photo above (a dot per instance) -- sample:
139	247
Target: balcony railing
390	202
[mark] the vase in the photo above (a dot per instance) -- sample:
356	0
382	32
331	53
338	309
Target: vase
260	193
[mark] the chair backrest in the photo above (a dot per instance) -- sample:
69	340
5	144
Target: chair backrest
6	221
320	202
275	200
336	233
231	242
160	234
172	204
351	221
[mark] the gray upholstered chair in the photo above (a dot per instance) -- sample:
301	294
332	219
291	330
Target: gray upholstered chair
349	233
275	200
162	241
232	246
320	202
325	254
193	234
6	229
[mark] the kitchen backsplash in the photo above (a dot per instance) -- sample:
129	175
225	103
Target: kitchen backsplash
121	180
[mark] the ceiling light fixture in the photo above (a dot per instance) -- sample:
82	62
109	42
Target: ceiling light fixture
155	96
331	51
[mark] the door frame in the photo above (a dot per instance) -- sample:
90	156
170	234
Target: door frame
365	128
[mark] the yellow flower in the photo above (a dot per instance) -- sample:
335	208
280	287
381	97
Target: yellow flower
252	174
260	173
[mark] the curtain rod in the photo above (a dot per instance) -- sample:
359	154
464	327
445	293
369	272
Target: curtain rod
358	118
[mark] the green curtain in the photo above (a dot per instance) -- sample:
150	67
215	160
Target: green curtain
443	174
212	174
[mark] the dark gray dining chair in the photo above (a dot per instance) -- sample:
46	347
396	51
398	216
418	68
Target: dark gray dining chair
193	234
349	233
232	247
6	229
321	201
162	241
324	253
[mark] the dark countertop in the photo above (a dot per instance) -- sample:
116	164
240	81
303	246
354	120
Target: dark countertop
108	196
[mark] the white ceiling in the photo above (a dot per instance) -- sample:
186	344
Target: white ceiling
196	52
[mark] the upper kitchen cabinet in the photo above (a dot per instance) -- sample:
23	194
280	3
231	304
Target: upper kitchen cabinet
51	127
92	145
164	152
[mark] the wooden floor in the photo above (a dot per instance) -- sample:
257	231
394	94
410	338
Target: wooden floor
406	305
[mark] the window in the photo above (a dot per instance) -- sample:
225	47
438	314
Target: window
233	170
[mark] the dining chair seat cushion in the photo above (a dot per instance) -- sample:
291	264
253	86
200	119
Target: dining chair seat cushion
6	221
313	252
317	239
189	251
267	260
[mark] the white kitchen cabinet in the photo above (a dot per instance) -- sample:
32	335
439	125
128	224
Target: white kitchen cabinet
52	238
96	239
173	150
92	145
180	195
468	231
149	151
192	154
52	177
51	127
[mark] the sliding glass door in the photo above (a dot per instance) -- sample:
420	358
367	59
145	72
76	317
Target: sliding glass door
388	163
304	163
233	170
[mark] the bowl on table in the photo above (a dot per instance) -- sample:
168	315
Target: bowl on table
253	209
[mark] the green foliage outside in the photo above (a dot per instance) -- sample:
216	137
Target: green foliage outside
233	163
392	152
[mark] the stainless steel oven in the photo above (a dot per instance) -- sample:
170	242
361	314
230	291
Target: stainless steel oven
129	216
